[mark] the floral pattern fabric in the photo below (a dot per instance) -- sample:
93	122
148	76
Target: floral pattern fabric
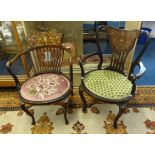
45	87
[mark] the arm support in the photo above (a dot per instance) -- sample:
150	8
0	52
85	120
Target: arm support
82	60
8	67
138	58
13	75
140	73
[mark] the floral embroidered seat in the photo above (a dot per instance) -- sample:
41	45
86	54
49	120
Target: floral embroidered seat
45	87
108	84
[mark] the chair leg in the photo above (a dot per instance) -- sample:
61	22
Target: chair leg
84	106
70	104
121	110
65	106
27	111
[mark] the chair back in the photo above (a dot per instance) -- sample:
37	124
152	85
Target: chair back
49	58
121	41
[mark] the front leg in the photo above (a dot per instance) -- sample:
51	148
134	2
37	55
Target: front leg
122	108
28	112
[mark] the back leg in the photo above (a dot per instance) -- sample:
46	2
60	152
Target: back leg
84	105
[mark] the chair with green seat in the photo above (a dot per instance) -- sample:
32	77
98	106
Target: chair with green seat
112	84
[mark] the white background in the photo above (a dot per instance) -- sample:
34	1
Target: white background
77	10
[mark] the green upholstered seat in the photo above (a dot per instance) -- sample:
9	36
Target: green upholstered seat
108	84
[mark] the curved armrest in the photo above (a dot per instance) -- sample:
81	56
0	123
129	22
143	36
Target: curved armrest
87	56
82	60
8	67
8	64
141	71
137	60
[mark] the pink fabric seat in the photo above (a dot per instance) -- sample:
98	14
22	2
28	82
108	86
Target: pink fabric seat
45	87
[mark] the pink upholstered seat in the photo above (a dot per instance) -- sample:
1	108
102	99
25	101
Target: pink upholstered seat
45	87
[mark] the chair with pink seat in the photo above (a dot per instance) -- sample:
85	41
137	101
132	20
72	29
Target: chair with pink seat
47	83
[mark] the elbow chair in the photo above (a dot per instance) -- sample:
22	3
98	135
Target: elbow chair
47	84
112	85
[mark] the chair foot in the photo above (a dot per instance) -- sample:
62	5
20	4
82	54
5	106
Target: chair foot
28	112
65	106
121	110
33	122
66	122
84	106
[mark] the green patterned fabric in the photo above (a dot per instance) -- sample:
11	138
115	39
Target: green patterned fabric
108	84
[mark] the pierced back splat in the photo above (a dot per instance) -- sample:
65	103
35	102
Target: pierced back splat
48	59
121	42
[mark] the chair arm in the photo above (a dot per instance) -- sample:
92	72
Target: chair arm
8	64
8	67
140	73
87	56
82	60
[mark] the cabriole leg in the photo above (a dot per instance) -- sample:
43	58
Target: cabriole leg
28	112
121	110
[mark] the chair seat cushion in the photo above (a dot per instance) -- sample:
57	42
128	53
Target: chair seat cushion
45	87
108	84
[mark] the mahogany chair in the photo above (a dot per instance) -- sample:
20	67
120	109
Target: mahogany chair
112	84
47	84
